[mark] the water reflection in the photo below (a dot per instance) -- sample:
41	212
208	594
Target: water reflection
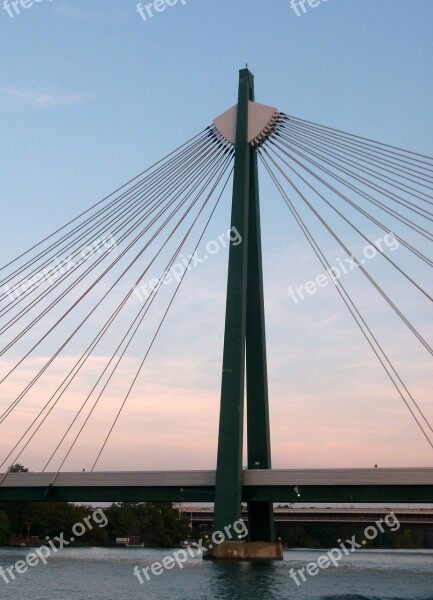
246	581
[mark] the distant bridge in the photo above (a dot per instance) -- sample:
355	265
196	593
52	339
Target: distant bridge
324	516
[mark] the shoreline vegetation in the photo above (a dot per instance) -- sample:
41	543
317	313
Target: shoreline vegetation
161	525
30	523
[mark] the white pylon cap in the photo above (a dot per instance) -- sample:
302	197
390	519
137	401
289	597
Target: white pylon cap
261	121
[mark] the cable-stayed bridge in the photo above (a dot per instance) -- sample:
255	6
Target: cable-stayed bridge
55	291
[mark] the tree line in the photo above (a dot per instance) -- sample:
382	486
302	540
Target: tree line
314	536
156	525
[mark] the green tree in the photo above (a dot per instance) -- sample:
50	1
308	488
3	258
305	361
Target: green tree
17	468
121	522
158	525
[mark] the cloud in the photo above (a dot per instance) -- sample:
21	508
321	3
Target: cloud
12	97
320	417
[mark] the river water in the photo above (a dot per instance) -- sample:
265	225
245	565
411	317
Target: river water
107	574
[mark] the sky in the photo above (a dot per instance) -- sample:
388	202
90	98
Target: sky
91	94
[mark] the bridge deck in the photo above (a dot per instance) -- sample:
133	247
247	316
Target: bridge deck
277	485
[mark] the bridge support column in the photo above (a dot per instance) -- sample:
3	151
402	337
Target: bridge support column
260	514
244	347
228	488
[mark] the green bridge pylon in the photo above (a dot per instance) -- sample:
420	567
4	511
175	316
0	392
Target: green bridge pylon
245	338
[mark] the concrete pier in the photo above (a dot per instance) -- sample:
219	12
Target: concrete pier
243	551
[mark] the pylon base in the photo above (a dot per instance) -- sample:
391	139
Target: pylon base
244	551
